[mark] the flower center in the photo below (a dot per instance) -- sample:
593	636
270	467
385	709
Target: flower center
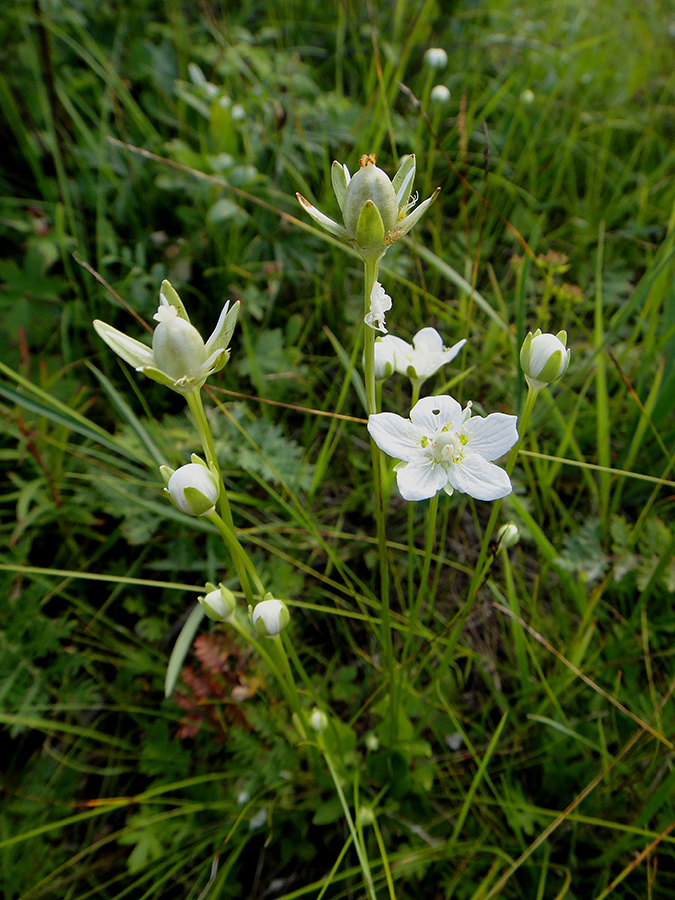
448	447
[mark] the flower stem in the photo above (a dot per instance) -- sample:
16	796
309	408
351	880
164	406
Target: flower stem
432	514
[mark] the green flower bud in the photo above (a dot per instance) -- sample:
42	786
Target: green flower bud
544	358
219	603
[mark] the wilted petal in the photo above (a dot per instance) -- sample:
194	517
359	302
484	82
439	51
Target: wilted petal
479	478
131	350
321	219
413	218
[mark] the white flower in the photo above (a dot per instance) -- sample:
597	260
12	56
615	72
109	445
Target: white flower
380	303
179	358
544	358
439	94
508	536
270	616
219	603
436	58
318	720
424	357
442	447
385	358
376	209
193	488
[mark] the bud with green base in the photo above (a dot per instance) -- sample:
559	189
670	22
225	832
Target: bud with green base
270	616
376	210
544	358
193	488
218	603
179	358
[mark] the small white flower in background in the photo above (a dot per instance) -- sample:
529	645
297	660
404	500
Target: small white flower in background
192	488
508	536
380	303
376	210
385	358
179	358
424	357
258	820
527	97
442	447
436	58
439	94
218	603
544	358
270	616
318	720
372	741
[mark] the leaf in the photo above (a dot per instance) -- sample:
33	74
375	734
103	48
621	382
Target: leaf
181	648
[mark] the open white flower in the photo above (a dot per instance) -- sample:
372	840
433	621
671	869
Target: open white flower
376	210
179	358
380	303
421	359
442	447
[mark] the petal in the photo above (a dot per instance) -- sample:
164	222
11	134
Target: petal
451	352
406	224
428	340
323	220
131	350
431	413
398	437
420	481
491	437
479	478
223	330
402	181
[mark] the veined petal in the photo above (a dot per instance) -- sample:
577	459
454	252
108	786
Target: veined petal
398	437
429	340
431	413
451	352
131	350
224	328
321	219
406	224
420	481
491	437
479	478
402	181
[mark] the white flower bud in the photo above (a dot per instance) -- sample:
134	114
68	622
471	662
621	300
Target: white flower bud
436	58
219	603
544	358
508	536
318	720
439	94
270	616
385	359
194	489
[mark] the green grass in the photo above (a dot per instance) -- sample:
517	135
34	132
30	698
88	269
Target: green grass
534	726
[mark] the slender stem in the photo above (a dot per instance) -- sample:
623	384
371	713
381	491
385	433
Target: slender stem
371	268
432	514
287	685
240	558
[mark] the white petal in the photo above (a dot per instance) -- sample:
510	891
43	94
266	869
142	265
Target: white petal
479	478
398	437
428	340
323	220
451	352
431	413
131	350
420	481
491	437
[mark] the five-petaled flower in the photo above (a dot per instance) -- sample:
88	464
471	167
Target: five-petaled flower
179	358
441	446
376	209
419	360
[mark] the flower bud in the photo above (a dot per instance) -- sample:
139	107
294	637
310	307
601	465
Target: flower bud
385	359
436	58
219	603
508	536
318	720
544	358
439	94
270	616
194	489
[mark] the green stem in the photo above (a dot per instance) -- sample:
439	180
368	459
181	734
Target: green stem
240	558
287	685
432	514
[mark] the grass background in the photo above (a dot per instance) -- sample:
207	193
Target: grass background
536	762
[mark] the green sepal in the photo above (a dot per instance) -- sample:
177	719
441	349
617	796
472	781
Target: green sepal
339	181
166	472
562	337
525	352
402	181
370	229
170	294
129	349
160	377
199	503
222	333
551	371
